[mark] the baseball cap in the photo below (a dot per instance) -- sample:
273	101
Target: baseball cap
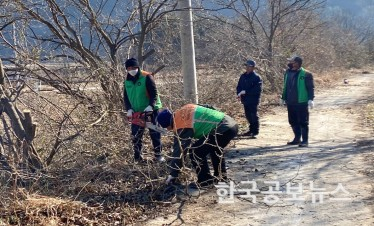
296	58
250	63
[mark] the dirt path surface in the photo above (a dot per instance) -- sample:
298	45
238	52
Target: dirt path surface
340	150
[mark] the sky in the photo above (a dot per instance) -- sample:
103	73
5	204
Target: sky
352	6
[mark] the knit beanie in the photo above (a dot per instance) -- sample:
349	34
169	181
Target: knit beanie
132	62
164	118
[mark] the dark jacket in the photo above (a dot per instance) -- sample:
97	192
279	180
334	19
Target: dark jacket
291	92
252	84
150	86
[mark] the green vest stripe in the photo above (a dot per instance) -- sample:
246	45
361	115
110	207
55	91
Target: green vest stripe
137	94
301	87
205	120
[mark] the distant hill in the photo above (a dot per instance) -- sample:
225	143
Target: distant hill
352	6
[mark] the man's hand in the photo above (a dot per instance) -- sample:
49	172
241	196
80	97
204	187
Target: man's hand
169	179
148	108
129	113
241	93
310	104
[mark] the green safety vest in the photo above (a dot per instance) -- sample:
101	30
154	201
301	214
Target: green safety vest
302	93
206	120
138	95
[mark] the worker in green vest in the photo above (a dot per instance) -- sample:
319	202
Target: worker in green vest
298	95
141	95
199	131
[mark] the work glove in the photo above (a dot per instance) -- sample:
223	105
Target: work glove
310	104
282	102
129	113
148	108
170	179
241	93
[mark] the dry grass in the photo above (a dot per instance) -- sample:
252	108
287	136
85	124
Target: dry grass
107	194
43	210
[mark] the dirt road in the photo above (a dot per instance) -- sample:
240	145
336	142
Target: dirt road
333	176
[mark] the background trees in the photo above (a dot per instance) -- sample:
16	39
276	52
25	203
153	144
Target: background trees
72	44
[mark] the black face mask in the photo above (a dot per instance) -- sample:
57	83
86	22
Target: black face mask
290	65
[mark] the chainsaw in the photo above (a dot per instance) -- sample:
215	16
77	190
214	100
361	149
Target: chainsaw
144	119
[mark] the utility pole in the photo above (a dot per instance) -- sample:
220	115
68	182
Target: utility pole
188	52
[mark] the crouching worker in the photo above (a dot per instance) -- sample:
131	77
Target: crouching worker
211	131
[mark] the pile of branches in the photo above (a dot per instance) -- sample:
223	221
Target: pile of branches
106	194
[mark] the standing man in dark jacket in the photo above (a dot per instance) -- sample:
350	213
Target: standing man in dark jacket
140	95
249	91
298	94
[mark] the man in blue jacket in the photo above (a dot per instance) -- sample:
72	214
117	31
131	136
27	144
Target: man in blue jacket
249	91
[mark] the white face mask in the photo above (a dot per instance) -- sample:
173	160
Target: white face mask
133	72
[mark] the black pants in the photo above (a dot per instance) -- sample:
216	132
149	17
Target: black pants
298	117
137	136
213	145
251	113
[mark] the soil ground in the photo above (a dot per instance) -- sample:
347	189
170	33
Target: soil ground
334	175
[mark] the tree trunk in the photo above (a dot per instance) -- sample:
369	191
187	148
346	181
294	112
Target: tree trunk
22	126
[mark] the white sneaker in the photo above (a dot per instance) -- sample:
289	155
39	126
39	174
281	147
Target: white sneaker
160	159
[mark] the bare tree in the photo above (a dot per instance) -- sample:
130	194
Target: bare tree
271	20
23	128
73	45
89	34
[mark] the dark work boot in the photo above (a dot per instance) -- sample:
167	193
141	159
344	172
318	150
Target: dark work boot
305	133
294	142
206	183
297	132
248	133
305	136
139	158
